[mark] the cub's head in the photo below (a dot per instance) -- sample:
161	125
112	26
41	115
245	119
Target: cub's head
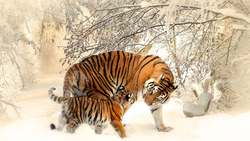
157	90
124	97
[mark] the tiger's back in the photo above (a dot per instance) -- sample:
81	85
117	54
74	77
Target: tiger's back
108	71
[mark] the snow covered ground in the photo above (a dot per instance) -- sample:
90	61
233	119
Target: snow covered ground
38	111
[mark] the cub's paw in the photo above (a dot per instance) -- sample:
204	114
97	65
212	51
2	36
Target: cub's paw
98	129
69	129
165	129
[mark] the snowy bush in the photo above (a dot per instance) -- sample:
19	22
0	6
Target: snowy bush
21	39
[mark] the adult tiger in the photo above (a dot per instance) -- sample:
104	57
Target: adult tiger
108	71
94	111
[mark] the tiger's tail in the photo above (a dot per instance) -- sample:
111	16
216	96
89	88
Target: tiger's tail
57	99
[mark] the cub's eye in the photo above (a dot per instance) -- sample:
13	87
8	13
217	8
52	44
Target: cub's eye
129	96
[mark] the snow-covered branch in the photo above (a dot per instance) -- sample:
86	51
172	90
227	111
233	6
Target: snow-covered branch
4	115
117	26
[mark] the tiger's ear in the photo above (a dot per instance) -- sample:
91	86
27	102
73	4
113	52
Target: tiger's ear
161	77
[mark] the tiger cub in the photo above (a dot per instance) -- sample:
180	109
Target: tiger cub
94	111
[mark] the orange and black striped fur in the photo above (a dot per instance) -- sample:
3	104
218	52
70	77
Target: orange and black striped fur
106	72
97	112
156	92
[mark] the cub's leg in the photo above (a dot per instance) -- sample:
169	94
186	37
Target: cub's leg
73	124
99	128
156	111
117	124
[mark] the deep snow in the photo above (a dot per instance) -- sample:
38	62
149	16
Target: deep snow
38	111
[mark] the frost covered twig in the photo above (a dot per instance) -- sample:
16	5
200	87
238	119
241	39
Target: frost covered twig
4	115
110	27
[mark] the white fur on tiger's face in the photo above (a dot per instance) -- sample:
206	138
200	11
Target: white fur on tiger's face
157	90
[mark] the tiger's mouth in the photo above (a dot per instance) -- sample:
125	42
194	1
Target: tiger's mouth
162	101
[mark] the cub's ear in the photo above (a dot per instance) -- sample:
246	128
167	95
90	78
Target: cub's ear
128	97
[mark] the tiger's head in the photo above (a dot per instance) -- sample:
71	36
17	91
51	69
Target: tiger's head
157	90
124	97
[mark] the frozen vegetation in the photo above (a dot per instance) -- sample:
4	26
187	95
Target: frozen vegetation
198	39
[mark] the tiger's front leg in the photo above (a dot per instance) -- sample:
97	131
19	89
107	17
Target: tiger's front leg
156	111
117	124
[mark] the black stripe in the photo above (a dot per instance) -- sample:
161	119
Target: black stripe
111	79
102	103
131	65
104	56
91	106
153	110
109	83
79	74
158	62
82	108
92	62
113	110
118	76
146	64
109	58
124	68
97	112
96	79
111	67
165	100
117	63
100	63
78	109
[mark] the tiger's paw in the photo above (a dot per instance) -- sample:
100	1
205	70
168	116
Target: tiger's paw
165	129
